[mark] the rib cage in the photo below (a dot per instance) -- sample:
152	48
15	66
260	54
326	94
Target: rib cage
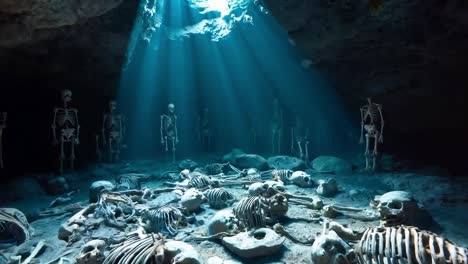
407	245
218	198
149	249
250	211
165	218
66	115
371	111
14	224
200	181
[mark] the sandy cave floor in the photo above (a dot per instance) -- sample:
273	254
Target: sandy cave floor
445	198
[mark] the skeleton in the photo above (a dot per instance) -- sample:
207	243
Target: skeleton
276	127
371	116
204	130
299	139
113	131
256	211
66	123
3	123
162	219
407	244
168	130
92	252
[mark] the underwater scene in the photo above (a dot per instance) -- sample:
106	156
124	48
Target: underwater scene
218	138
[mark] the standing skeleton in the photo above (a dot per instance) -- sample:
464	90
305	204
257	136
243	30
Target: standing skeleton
113	131
67	124
3	121
276	127
300	139
204	131
371	116
168	129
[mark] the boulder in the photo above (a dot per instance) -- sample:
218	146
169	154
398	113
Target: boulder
246	161
96	188
187	164
181	252
231	157
330	164
258	243
57	186
286	163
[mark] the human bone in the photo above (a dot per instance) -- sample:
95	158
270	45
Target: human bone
327	188
181	253
223	221
256	243
371	116
398	208
66	128
301	179
192	199
138	249
407	244
92	252
329	248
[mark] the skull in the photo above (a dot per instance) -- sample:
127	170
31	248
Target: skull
222	221
301	179
92	252
397	208
277	206
112	105
66	95
192	199
327	188
330	248
171	108
184	174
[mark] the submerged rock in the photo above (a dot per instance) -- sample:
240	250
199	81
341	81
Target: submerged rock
261	242
188	164
330	164
231	157
286	163
58	185
246	161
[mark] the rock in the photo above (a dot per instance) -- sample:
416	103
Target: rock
246	161
330	164
96	188
286	163
353	192
187	164
215	260
231	157
57	185
327	188
261	242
